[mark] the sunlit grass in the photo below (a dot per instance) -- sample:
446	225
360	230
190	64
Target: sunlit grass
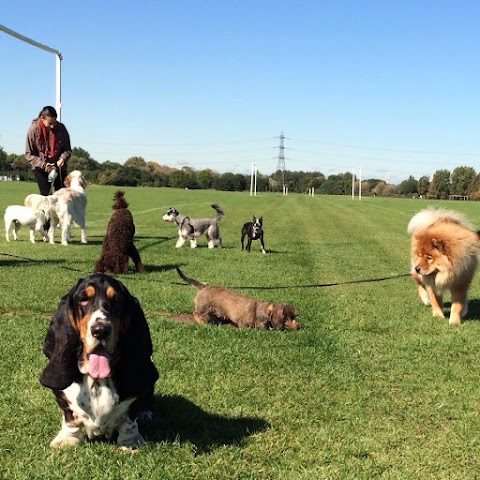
371	387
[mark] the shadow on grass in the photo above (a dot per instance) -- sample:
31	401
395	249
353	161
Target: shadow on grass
179	420
473	313
156	241
17	260
160	268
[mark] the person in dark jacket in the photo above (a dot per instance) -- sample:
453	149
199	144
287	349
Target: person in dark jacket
48	150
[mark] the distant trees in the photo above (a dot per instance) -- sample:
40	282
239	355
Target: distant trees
5	166
137	171
230	182
440	184
340	184
474	188
408	187
385	189
135	162
183	179
461	179
422	185
205	179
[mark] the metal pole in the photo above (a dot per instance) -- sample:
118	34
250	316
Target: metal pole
251	179
360	183
58	83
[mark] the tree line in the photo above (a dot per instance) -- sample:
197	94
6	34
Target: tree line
136	171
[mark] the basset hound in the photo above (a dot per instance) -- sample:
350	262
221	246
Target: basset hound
100	368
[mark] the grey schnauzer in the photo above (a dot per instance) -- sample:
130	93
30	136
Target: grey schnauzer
191	228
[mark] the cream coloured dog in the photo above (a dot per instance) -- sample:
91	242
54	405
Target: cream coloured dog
20	215
69	205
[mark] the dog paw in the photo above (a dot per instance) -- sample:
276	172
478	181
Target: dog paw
130	443
62	440
438	313
454	321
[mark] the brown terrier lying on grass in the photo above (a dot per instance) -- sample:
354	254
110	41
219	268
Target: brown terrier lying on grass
219	305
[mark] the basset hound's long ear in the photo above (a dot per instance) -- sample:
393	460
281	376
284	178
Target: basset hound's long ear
62	347
135	374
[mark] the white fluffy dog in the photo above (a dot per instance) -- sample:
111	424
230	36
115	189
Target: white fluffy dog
20	215
69	204
39	202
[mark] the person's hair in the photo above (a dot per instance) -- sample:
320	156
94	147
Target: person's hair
47	111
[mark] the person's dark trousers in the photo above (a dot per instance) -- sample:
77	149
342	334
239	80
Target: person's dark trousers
41	176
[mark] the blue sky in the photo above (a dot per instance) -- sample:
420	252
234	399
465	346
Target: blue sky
388	87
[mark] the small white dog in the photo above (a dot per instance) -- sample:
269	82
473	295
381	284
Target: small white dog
20	215
67	206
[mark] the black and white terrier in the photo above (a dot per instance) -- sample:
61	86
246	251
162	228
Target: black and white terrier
254	231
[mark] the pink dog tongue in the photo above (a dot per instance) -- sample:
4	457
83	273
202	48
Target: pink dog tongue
98	366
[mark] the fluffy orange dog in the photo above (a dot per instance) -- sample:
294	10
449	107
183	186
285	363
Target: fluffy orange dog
217	304
444	257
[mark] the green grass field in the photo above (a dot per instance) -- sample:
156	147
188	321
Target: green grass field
371	387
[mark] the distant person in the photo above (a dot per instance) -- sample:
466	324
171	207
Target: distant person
48	150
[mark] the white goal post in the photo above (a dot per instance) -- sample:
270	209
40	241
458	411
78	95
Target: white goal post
59	58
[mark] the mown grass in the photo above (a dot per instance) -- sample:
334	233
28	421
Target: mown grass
371	387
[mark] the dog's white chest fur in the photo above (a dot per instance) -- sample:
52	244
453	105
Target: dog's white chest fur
95	402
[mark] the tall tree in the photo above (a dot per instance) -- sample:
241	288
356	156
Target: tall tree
205	179
423	185
461	179
80	152
18	162
474	190
440	184
4	164
135	162
408	187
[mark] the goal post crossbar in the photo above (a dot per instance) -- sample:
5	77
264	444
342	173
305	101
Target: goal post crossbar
59	59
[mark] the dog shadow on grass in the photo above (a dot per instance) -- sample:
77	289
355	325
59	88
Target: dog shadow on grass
473	313
181	421
153	241
160	268
17	261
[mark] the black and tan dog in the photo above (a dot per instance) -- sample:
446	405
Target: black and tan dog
99	363
220	305
253	231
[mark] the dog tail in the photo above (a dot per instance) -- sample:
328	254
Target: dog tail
426	218
120	201
219	210
191	281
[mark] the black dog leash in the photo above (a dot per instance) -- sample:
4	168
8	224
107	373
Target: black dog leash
321	285
278	287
